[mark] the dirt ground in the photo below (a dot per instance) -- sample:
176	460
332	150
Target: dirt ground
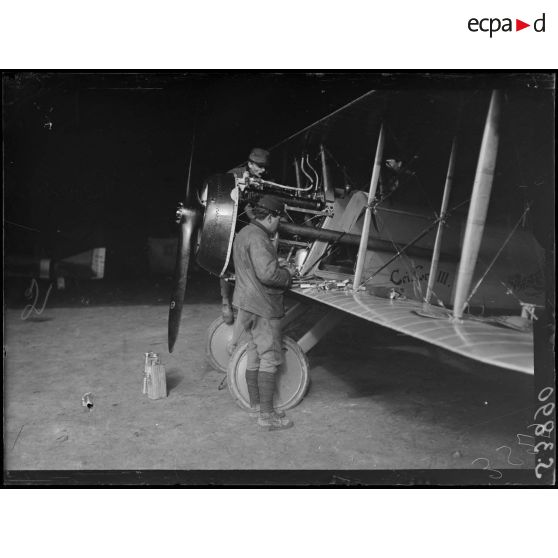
377	401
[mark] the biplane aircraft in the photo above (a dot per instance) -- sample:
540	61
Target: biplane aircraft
400	212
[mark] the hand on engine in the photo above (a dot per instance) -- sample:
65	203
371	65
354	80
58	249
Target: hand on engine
289	267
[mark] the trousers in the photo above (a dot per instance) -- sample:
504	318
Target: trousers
264	352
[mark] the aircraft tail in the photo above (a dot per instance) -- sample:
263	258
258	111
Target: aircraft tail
90	262
85	265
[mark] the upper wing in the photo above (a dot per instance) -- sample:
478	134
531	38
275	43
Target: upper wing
473	337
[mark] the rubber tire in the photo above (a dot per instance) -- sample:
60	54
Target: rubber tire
219	334
291	389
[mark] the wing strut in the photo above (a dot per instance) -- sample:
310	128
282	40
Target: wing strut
368	211
478	208
441	222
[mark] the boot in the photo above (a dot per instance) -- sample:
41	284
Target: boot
254	412
272	421
269	419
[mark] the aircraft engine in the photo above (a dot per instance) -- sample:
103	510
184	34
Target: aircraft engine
225	198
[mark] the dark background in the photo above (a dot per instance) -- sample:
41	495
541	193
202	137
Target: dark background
98	159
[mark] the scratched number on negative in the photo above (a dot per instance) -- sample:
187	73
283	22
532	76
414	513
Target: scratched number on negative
510	462
487	468
544	430
522	443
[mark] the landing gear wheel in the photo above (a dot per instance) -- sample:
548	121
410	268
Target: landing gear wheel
293	379
219	335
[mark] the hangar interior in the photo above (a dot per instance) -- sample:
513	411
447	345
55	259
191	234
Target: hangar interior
101	160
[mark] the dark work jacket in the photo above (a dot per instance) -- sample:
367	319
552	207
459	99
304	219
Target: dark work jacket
239	171
260	282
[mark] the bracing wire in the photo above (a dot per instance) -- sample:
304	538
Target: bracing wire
342	168
21	226
497	255
401	251
398	145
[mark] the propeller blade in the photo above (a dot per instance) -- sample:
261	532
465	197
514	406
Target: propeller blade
189	196
189	219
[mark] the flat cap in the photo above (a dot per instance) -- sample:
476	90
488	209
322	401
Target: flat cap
259	156
272	204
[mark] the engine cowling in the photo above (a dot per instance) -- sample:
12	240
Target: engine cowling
219	223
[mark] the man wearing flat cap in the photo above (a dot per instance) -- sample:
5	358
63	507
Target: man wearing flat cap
256	166
258	296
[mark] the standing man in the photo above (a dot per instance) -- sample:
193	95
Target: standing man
255	167
258	295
